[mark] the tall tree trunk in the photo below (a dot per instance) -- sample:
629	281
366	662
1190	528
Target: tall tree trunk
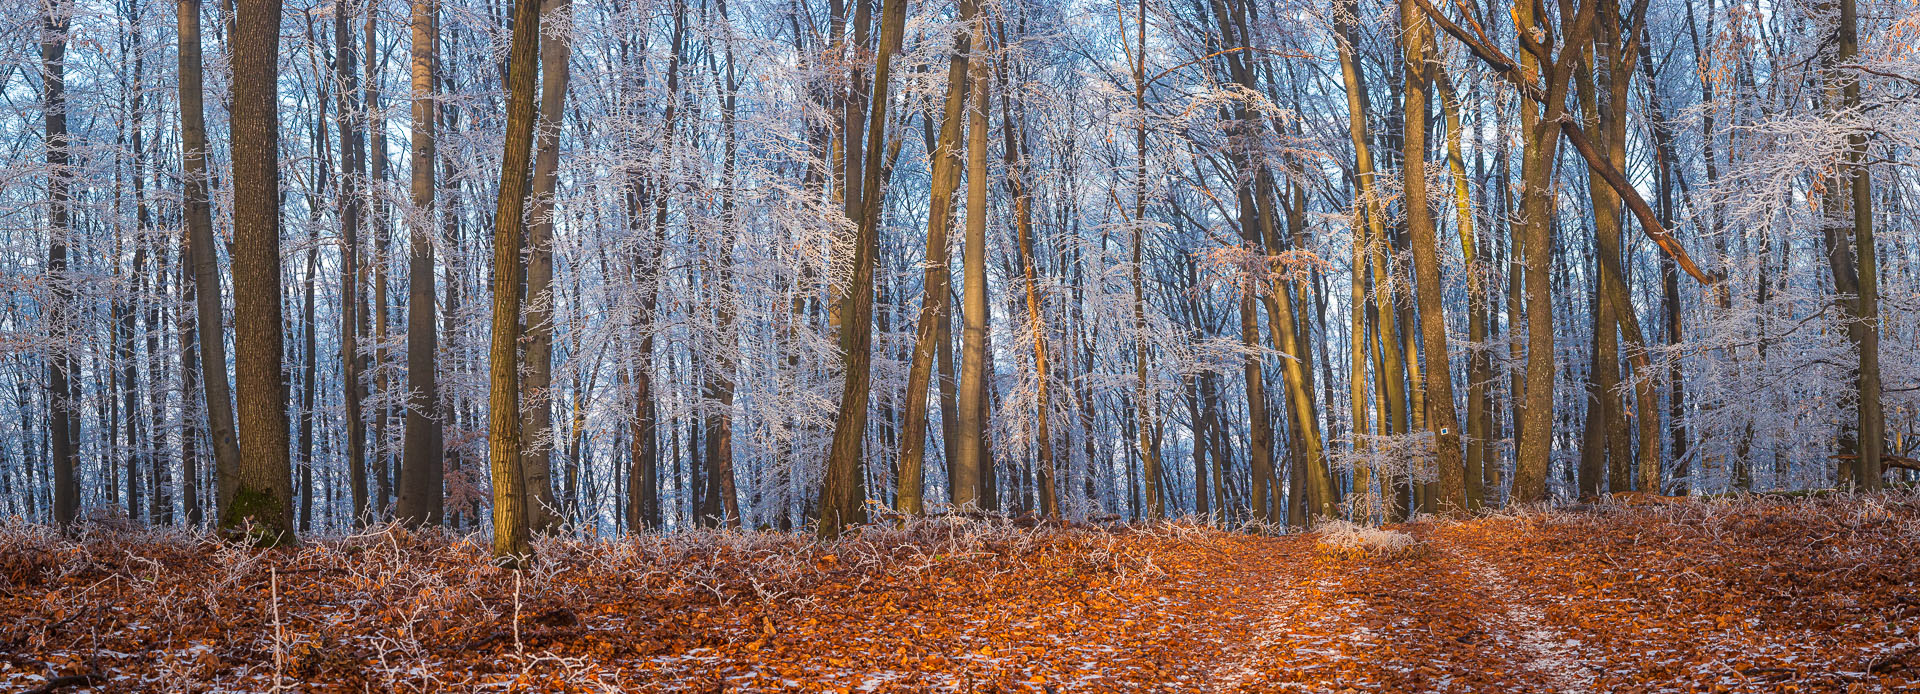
1015	151
1143	393
1872	424
1479	371
967	473
382	238
352	310
1542	143
421	496
930	330
720	373
1441	419
841	494
64	425
511	527
537	389
262	497
189	369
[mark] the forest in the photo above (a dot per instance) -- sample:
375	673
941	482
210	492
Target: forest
690	341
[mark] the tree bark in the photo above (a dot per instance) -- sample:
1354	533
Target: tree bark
841	494
511	527
936	285
1441	419
352	311
537	388
421	494
63	423
262	498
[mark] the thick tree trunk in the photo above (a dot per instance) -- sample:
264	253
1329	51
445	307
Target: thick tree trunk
966	475
262	498
421	494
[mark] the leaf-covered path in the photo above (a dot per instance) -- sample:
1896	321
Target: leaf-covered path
1752	596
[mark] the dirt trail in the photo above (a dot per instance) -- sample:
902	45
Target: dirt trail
1706	598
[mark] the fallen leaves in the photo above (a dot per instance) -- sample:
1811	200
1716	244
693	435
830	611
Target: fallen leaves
1760	595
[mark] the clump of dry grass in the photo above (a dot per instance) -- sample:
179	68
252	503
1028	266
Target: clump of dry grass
1344	540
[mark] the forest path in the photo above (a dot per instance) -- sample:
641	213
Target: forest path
1742	598
1442	618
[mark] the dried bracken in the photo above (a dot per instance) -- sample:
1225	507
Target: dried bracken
1753	595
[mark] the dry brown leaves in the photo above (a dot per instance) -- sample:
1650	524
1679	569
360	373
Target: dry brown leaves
1760	595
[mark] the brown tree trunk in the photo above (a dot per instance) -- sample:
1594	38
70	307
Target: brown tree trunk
934	307
1872	420
1015	152
352	310
537	388
966	475
377	225
511	527
421	495
262	498
1479	371
1440	417
841	494
720	375
64	424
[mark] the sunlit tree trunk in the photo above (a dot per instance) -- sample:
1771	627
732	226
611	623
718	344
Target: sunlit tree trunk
931	331
966	475
511	527
842	496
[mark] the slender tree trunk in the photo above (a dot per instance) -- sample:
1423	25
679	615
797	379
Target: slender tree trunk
1441	419
1015	152
1479	372
421	495
382	238
189	369
511	527
1867	467
720	374
64	424
841	494
352	310
537	388
931	329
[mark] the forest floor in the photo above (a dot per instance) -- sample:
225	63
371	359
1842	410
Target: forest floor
1752	595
